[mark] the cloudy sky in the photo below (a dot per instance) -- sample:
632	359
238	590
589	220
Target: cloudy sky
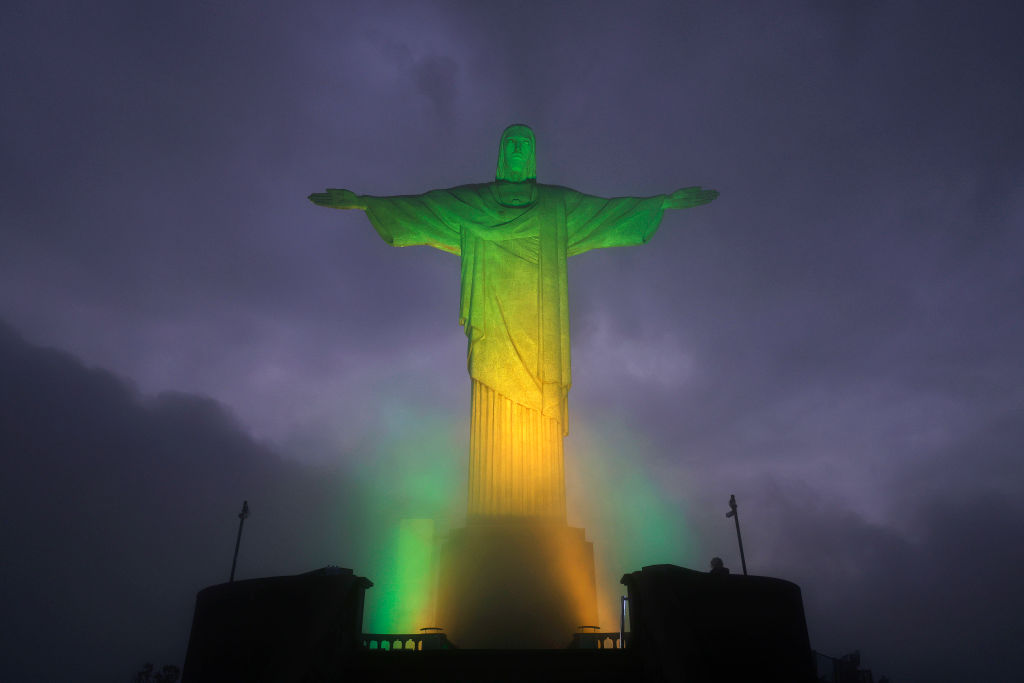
836	340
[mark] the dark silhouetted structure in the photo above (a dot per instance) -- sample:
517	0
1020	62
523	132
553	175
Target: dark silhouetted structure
281	629
686	626
695	627
845	669
735	514
238	541
516	584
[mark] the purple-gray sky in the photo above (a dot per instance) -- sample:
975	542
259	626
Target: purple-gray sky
836	340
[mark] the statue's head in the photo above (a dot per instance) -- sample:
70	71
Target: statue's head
517	155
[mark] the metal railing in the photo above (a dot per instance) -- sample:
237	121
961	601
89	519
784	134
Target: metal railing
417	642
412	642
597	641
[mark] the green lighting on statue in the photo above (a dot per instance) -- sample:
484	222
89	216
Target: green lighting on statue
513	238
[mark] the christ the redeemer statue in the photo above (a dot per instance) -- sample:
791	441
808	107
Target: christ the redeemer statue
514	236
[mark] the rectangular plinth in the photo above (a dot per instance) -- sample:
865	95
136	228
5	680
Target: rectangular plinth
516	583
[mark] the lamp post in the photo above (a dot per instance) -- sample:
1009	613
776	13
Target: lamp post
734	513
238	541
622	623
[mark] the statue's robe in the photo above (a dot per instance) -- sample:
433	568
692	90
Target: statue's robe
514	239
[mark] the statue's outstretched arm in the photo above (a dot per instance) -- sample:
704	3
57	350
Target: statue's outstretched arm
689	197
338	199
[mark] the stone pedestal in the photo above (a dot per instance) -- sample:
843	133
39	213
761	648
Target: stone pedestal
516	583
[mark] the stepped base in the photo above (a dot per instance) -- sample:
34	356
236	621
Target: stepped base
516	584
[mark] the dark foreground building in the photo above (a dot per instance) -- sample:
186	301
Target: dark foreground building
693	626
279	629
684	626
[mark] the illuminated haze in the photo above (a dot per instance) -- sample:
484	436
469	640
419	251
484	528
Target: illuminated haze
836	340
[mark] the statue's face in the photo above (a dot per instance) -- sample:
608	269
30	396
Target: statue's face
518	150
517	154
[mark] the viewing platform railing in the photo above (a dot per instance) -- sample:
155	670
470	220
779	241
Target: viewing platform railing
597	641
406	641
417	642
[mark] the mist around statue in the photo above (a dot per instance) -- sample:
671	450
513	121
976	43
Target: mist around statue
835	341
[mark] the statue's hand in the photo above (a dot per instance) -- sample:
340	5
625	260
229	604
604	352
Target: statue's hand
688	197
338	199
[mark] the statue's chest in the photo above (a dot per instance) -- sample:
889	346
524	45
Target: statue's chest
510	251
528	222
513	195
505	230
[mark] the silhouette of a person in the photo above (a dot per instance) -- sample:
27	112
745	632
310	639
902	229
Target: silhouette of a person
717	567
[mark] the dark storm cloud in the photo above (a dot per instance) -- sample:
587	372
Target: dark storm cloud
436	79
931	605
837	338
161	145
119	508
